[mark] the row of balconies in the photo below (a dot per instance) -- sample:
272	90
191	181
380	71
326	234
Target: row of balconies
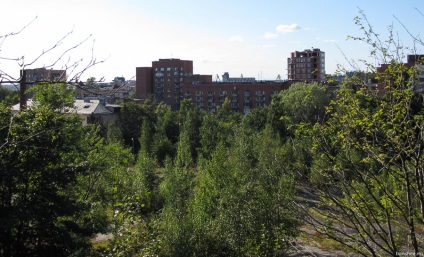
247	101
176	90
159	74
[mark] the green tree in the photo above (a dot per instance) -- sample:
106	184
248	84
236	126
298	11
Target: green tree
91	82
114	133
374	158
131	120
8	95
209	135
134	205
43	152
166	134
369	162
242	204
256	119
184	158
146	138
301	103
190	120
176	190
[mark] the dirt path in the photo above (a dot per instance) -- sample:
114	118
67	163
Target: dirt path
310	242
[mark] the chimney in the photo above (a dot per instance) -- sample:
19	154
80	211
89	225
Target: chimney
23	88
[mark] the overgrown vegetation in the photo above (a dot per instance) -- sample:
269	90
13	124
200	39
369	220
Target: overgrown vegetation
190	183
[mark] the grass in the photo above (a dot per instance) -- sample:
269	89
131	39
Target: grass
101	245
320	240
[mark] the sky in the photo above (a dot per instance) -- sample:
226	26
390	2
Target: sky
249	38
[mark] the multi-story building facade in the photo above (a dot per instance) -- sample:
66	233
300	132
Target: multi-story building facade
385	81
242	96
164	81
171	80
44	75
307	65
39	75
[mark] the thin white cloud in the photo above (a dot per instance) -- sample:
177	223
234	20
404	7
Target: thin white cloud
208	61
284	28
267	46
270	35
236	39
327	40
330	41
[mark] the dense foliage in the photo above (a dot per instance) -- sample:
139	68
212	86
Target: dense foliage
190	183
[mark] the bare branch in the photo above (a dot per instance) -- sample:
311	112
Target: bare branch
68	50
419	11
58	43
415	38
92	62
352	63
3	38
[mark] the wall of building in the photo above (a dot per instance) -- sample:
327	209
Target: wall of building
172	80
144	82
242	96
307	65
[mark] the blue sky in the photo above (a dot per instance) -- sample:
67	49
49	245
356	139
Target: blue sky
249	37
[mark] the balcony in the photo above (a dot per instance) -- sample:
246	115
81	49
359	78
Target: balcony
159	74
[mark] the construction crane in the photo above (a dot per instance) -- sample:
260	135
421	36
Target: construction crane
217	78
278	77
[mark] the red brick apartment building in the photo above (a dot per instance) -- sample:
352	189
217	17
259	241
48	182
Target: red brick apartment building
307	65
43	75
171	80
38	75
411	60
